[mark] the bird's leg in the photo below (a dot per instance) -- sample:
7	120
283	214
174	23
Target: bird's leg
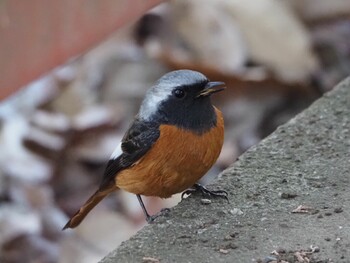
150	218
200	188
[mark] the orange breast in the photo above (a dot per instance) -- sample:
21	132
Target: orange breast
175	162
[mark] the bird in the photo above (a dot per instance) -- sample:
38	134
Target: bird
174	139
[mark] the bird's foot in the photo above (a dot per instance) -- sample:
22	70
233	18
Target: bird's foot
205	191
151	218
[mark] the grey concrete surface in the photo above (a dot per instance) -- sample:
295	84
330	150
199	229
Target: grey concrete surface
304	162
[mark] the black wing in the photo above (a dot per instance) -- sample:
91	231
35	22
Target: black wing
136	142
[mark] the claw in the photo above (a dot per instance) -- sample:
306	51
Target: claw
150	218
187	192
162	212
165	210
205	191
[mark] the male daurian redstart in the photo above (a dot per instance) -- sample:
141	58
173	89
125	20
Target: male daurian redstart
173	141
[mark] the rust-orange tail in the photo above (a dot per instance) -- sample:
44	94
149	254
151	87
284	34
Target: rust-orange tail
89	204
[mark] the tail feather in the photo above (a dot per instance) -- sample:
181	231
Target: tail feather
88	206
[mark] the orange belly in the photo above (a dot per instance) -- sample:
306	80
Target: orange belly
175	162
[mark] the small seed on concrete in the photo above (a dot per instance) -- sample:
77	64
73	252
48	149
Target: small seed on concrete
314	249
205	201
150	260
338	210
236	211
288	195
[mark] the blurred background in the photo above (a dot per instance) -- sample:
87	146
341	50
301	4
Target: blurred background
57	133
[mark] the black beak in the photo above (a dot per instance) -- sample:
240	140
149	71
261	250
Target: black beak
210	88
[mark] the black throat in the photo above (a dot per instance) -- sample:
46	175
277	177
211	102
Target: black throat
197	116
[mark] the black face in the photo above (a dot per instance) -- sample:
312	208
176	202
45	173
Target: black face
185	109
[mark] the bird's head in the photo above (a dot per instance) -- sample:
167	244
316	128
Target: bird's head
182	98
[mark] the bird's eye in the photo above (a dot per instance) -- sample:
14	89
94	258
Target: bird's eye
179	93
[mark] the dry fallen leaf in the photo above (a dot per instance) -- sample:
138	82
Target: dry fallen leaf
302	256
223	251
150	260
301	209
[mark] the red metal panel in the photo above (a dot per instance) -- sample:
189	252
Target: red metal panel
37	35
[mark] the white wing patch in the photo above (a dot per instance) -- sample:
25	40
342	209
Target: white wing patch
117	152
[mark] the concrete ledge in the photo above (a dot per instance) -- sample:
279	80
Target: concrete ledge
305	162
